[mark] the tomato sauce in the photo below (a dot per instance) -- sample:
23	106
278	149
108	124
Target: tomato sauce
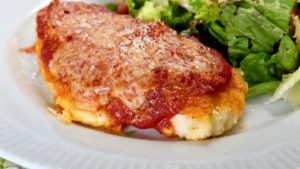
28	50
167	99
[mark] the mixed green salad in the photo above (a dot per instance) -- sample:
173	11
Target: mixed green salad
262	37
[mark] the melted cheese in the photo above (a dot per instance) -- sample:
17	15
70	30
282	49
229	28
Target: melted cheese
105	54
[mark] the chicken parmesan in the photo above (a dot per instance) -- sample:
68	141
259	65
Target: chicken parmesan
109	71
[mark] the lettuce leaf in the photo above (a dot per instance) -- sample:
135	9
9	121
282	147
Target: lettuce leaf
248	26
205	10
262	88
166	11
277	11
255	68
296	23
176	17
248	32
149	12
134	6
257	36
112	6
286	59
289	89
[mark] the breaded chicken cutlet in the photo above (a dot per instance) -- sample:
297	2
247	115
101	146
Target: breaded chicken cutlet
109	71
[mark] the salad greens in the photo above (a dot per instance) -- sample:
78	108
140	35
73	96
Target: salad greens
277	11
111	6
289	89
166	11
205	10
296	23
257	34
258	40
149	12
286	58
263	88
256	69
247	31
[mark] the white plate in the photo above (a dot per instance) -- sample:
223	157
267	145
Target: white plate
268	136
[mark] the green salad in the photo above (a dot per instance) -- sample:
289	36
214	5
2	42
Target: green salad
261	37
